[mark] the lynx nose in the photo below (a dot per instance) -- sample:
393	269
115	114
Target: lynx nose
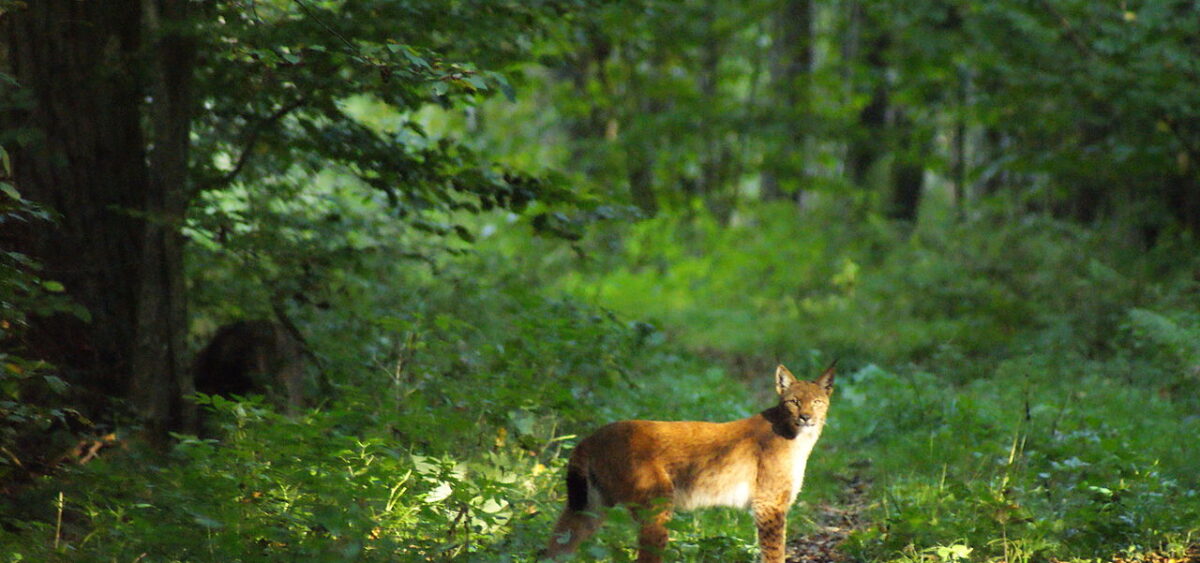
805	418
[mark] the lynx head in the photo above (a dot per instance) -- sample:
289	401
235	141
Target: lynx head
803	403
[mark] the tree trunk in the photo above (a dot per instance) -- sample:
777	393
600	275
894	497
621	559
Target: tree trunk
791	60
960	146
1182	189
908	180
994	146
638	140
639	165
715	183
160	377
117	247
908	169
580	68
867	145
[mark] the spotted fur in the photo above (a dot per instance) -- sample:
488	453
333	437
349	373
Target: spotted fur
656	468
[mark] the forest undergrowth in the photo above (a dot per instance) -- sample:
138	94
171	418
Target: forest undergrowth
1014	389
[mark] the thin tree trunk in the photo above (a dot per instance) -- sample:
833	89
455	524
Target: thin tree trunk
994	146
160	378
908	169
790	63
586	63
716	155
867	146
639	147
960	146
639	163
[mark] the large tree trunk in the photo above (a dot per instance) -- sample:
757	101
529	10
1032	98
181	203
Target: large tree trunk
117	247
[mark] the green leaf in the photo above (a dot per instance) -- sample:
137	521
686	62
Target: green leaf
492	506
414	60
505	88
439	493
423	465
464	233
56	384
477	82
207	522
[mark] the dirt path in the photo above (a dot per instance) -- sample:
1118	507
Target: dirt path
836	521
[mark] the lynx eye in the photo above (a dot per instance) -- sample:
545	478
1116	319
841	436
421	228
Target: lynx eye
818	402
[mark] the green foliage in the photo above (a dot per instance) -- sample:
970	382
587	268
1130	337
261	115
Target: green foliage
35	402
23	292
1172	346
951	293
1031	466
298	92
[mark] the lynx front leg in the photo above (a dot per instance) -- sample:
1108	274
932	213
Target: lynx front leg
771	521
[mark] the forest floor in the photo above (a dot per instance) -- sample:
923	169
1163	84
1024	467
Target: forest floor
836	521
1191	556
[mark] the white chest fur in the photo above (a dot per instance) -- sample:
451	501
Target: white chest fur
734	493
732	485
801	448
799	462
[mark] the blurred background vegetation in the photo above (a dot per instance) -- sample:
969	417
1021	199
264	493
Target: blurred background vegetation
495	225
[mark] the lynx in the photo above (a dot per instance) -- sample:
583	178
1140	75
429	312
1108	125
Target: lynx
655	468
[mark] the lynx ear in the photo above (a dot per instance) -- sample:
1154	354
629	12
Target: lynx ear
783	379
826	379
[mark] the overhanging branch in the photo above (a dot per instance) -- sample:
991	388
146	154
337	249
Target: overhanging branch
251	135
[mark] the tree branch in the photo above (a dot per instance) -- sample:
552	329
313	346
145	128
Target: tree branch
308	11
1069	30
252	134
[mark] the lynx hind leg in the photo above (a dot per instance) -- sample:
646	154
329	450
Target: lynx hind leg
652	538
573	527
653	508
579	519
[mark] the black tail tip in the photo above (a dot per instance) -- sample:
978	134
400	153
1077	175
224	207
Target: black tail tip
577	495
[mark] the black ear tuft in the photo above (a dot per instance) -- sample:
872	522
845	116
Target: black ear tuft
826	379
